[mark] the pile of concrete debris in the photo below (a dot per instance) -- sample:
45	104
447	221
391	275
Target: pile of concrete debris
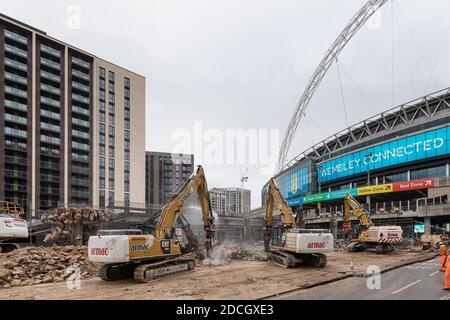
341	245
66	218
227	251
35	265
248	253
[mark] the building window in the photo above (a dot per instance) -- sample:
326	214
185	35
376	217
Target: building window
111	151
399	177
102	73
101	199
111	198
111	76
432	172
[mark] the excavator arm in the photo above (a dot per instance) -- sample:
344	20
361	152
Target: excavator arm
358	210
275	198
195	184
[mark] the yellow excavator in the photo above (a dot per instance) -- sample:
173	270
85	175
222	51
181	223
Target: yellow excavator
129	253
295	246
381	238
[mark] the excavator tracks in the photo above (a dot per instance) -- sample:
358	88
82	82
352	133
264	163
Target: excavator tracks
290	260
164	269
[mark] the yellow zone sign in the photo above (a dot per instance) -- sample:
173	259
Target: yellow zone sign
381	188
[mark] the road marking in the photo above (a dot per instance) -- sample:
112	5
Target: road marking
436	272
406	287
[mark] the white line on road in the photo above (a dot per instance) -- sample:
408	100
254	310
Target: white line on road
436	272
406	287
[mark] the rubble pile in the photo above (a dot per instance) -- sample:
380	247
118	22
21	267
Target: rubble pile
35	265
226	252
248	253
341	245
65	218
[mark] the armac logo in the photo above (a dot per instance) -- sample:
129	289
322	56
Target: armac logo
99	251
316	245
392	235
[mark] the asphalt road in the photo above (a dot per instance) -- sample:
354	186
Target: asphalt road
420	281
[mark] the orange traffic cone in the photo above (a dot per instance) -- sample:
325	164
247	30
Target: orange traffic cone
351	268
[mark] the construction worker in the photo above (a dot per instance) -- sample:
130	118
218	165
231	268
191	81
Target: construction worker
442	256
447	274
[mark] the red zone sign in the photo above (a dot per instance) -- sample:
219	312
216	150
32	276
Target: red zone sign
413	185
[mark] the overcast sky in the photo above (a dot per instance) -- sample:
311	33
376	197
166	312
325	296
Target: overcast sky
244	64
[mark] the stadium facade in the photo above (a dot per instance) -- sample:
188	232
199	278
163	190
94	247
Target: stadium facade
396	164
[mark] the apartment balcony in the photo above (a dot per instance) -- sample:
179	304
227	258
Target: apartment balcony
50	76
51	115
80	86
80	194
16	51
80	110
16	92
81	63
15	132
50	51
80	182
82	159
50	102
15	64
16	146
49	191
80	98
48	152
50	89
16	105
50	178
81	170
81	123
16	160
16	37
16	78
80	75
52	140
50	165
51	64
50	127
15	188
80	146
80	134
15	119
15	174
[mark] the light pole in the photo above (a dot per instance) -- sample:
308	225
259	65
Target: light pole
368	156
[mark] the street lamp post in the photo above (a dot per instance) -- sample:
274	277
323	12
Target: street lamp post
369	155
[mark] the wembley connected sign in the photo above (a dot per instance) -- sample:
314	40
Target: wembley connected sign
420	146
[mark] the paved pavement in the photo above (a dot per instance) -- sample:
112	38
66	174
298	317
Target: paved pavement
419	281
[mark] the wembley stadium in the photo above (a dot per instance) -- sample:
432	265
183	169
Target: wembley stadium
396	164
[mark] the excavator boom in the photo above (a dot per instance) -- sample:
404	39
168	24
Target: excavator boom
275	198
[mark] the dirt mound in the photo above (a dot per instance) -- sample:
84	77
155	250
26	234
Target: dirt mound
35	265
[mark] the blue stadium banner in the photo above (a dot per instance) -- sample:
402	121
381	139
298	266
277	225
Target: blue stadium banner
417	147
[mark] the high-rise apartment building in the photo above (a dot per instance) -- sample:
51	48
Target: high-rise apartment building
164	174
230	201
72	125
